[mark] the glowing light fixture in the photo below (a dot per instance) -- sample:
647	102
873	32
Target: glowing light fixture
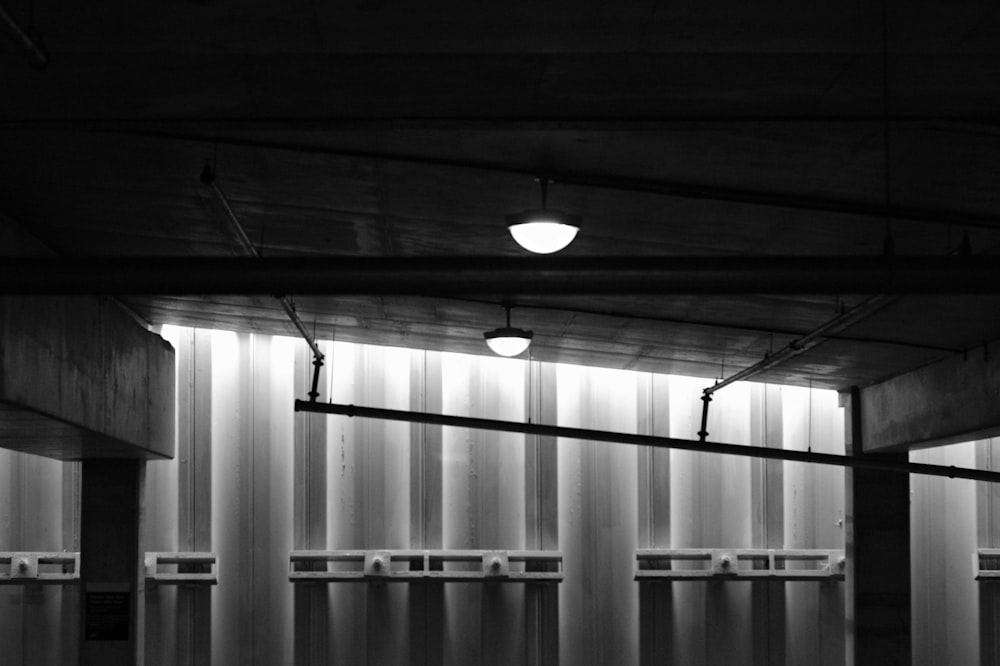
508	341
543	231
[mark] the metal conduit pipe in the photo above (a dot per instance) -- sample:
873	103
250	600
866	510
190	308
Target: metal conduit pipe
842	321
865	461
208	178
37	56
442	276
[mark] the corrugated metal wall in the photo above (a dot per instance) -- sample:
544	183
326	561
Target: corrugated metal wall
252	481
38	512
957	618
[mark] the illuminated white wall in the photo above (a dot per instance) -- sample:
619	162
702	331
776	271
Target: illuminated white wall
253	480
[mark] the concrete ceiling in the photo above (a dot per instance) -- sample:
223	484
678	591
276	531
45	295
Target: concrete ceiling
374	129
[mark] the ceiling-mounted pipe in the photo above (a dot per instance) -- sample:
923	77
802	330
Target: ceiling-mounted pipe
817	336
208	179
839	323
844	320
32	46
501	275
865	461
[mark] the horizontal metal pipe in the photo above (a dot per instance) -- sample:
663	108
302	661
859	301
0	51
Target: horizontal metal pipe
861	462
501	275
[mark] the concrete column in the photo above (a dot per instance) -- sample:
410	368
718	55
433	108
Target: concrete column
878	554
111	562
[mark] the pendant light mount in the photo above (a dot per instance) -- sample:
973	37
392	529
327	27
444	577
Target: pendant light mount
543	230
508	341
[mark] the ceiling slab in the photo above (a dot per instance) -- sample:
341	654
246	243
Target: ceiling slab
371	129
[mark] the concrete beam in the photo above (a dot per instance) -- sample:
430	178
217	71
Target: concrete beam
79	378
354	275
877	507
953	400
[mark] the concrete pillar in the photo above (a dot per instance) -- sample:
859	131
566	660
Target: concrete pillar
111	562
878	554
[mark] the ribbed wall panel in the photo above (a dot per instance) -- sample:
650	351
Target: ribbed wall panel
252	481
813	518
944	526
598	519
38	624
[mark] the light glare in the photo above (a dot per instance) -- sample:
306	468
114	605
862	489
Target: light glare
543	236
508	345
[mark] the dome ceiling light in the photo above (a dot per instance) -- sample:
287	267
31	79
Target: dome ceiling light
543	231
508	341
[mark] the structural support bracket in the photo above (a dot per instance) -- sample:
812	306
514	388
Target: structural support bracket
59	568
189	568
738	564
986	564
706	399
411	566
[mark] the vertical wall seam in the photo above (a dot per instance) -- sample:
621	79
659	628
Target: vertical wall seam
650	463
422	452
190	602
252	504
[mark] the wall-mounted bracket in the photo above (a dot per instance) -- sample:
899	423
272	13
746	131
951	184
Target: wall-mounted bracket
402	566
986	564
39	568
736	564
378	563
496	564
188	568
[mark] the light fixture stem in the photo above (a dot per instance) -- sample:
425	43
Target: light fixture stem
888	245
543	183
507	307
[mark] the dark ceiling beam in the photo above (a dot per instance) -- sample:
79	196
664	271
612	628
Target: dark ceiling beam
503	276
220	127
